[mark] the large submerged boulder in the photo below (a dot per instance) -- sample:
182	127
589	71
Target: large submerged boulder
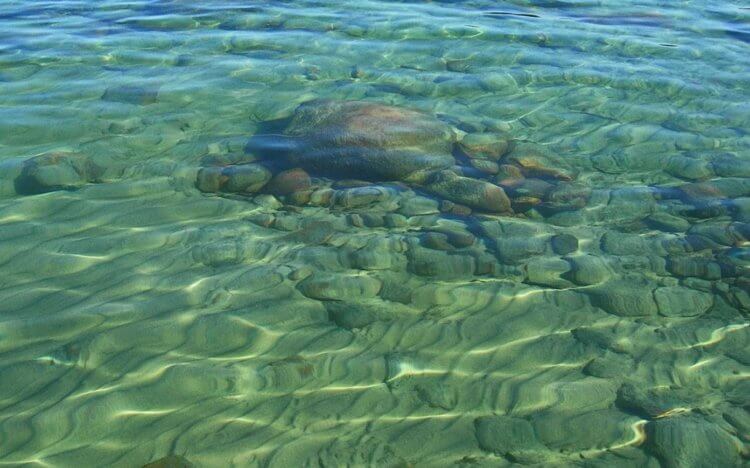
365	140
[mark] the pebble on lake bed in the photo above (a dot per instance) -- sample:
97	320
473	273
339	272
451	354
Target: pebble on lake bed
484	146
56	171
246	178
473	193
289	181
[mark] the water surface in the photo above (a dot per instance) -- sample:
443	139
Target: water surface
140	317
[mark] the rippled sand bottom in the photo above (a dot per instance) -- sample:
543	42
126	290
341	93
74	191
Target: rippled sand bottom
232	331
142	318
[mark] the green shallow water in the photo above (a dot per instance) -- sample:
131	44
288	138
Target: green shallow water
140	317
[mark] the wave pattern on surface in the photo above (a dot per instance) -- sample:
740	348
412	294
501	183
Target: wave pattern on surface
140	317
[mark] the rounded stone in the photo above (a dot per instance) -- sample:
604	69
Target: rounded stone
436	241
485	166
689	168
533	165
588	270
534	188
290	181
474	193
565	197
418	205
564	244
245	178
508	174
447	206
678	301
547	271
300	273
459	238
361	196
321	197
484	145
395	220
365	139
56	171
666	222
300	198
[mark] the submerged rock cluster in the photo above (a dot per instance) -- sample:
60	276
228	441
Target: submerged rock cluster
357	140
366	218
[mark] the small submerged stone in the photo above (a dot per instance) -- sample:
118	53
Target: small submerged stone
418	205
729	165
548	271
246	178
457	237
473	193
508	174
289	181
689	168
533	165
667	222
699	268
441	264
448	207
484	146
436	241
565	197
358	197
395	220
564	244
678	301
588	270
485	166
530	188
56	171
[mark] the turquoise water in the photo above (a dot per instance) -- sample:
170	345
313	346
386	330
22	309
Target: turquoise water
601	321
